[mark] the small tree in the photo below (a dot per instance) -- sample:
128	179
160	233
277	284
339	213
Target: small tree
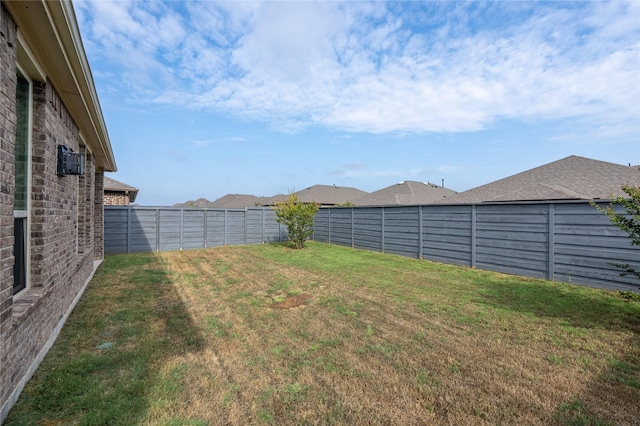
628	221
297	217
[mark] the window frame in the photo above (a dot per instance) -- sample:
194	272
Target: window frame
24	214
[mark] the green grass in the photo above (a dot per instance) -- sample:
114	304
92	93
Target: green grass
207	337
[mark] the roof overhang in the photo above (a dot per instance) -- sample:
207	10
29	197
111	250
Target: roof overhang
49	33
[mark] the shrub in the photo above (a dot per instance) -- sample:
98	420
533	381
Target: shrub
297	217
628	221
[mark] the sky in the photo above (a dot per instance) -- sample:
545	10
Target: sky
204	99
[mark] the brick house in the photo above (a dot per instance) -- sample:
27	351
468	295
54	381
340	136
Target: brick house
54	150
117	193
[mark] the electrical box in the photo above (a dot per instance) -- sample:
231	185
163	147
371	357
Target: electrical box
69	162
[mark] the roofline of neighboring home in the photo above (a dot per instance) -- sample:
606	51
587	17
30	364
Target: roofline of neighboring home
50	46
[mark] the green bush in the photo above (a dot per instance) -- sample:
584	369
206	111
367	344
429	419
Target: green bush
628	221
297	217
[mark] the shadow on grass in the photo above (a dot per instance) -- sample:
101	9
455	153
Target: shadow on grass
579	306
612	398
108	357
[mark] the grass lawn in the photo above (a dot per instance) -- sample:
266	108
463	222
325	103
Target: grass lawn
265	334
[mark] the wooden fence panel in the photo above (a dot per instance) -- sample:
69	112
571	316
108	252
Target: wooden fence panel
367	228
170	225
144	231
513	239
193	229
216	226
447	234
321	231
587	244
116	230
341	226
402	231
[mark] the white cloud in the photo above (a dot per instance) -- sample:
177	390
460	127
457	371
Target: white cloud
376	67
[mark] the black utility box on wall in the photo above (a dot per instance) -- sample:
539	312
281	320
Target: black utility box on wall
69	162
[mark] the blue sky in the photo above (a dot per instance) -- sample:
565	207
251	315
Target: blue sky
203	99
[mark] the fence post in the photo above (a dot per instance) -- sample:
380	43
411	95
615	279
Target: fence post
129	229
382	229
329	226
552	243
352	232
204	225
245	225
473	236
181	229
420	231
225	227
157	230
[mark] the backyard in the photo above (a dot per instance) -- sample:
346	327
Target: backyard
264	334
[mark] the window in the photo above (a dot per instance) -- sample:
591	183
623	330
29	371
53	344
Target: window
19	250
21	194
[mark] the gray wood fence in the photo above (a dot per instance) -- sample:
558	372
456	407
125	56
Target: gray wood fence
564	241
143	229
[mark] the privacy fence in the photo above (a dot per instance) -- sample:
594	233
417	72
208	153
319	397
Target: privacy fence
562	241
140	229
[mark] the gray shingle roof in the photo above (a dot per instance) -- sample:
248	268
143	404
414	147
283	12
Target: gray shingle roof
236	201
271	201
328	195
202	203
405	193
117	186
571	178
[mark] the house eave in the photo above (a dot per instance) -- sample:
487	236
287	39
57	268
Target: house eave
50	30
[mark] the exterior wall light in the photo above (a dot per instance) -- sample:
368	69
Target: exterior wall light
69	162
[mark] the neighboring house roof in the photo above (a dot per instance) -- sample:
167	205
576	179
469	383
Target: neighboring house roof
236	201
571	178
271	201
405	193
328	195
52	27
202	203
117	186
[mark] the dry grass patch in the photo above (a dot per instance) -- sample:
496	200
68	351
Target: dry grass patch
330	335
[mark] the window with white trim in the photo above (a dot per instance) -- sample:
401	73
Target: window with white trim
22	183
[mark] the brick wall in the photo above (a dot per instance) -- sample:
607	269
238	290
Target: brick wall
65	214
116	198
98	216
7	171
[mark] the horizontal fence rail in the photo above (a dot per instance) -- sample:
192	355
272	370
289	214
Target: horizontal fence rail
144	229
563	241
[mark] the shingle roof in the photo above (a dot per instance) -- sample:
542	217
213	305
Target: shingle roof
202	203
571	178
236	201
271	201
405	193
117	186
328	195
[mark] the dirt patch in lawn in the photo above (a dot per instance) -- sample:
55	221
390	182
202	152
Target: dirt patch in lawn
291	302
